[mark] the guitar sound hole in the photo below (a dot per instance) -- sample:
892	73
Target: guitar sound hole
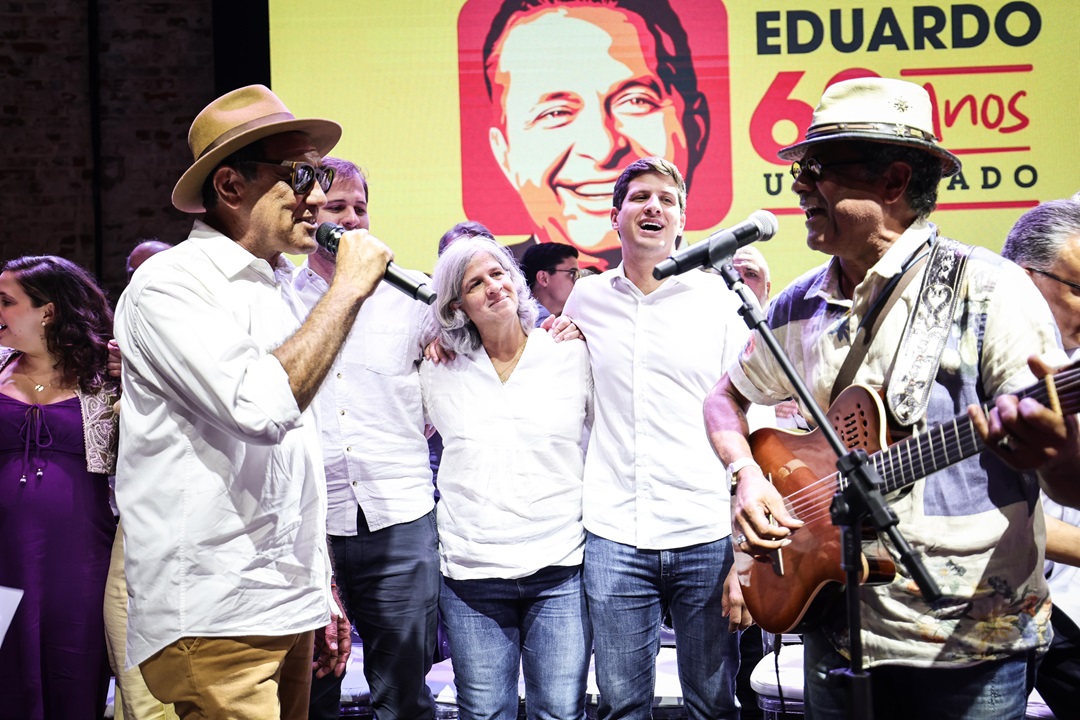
853	427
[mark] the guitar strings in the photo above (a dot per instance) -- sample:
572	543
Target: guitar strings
896	473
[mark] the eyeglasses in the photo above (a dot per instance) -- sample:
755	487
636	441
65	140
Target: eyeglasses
302	175
574	273
1052	276
813	168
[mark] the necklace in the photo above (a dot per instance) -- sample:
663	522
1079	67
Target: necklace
504	374
39	386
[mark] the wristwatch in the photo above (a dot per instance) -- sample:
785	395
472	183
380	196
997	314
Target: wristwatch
734	468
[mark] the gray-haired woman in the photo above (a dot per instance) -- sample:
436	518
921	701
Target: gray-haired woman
512	408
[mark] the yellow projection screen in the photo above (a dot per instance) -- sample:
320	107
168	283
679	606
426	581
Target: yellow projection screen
520	113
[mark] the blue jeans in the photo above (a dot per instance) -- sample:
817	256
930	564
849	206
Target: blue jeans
628	590
996	690
537	623
389	582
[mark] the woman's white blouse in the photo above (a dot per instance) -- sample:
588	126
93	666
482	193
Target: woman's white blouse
511	474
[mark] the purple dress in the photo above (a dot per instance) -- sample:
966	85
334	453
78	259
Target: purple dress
56	533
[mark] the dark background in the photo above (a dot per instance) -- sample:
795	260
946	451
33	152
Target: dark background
96	98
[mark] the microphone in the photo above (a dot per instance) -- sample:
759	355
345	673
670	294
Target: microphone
761	225
329	235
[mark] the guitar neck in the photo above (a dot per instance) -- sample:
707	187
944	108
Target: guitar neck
908	461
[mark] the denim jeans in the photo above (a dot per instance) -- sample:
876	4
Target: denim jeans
537	623
628	590
389	582
996	690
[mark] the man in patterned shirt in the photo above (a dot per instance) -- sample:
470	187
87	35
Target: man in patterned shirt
867	175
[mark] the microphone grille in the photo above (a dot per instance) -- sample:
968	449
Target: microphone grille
766	222
328	235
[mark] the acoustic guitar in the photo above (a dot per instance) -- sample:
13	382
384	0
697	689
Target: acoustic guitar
788	588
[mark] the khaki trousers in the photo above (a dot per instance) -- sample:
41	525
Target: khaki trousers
240	678
133	700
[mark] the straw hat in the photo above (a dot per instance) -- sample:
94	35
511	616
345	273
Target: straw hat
879	110
236	120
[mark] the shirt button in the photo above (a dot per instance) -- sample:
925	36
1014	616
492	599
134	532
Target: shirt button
342	412
348	448
339	376
354	483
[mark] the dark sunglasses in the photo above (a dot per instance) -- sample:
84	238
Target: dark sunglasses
302	175
812	167
1052	276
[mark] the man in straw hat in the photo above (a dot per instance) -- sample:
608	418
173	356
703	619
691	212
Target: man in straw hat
220	479
867	175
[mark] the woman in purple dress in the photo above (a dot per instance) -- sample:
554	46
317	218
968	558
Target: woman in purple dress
57	447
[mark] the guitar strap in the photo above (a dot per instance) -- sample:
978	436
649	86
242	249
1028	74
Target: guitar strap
927	331
869	326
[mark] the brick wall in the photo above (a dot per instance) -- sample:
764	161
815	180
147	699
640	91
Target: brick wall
155	70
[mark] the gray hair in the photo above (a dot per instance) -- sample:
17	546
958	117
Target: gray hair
446	320
1037	238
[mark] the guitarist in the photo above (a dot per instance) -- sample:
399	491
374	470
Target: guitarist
867	175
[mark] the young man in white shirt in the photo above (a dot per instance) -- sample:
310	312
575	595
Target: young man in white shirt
220	478
655	501
381	519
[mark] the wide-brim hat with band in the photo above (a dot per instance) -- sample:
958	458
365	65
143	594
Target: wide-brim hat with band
876	110
236	120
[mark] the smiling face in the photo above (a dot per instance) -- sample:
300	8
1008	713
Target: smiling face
346	204
564	134
20	322
281	220
488	296
650	218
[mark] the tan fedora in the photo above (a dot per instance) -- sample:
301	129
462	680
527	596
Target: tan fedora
878	110
236	120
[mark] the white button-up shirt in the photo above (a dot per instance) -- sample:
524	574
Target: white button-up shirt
510	477
219	480
1064	580
371	413
652	479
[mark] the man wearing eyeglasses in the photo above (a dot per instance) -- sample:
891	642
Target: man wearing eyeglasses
551	269
867	176
1045	241
220	478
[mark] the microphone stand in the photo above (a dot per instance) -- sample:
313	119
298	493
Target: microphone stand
860	498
